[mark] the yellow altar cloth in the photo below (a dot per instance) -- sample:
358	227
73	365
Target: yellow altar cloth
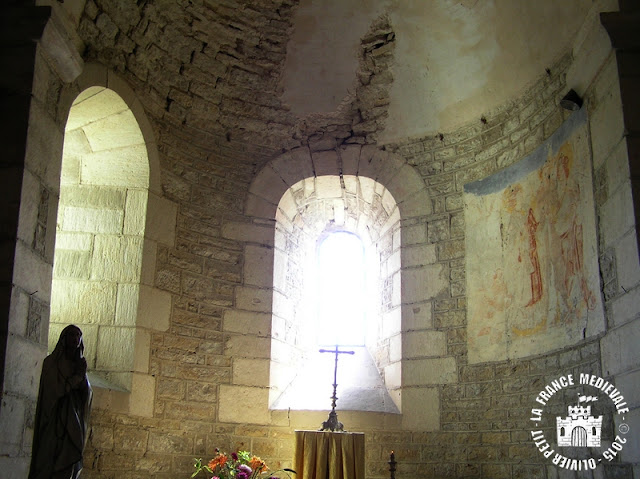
329	455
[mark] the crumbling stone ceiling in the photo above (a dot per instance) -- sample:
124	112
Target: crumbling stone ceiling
454	60
277	72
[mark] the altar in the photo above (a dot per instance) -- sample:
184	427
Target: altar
329	455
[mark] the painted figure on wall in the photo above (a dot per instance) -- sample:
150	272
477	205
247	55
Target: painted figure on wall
64	403
543	248
531	254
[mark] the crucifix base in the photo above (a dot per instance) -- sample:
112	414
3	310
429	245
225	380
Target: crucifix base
332	424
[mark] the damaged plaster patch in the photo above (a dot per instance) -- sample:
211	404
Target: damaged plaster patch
361	115
321	63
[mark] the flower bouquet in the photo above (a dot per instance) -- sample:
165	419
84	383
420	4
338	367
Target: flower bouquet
240	465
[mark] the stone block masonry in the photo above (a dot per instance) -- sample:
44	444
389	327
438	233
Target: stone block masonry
203	363
205	359
213	100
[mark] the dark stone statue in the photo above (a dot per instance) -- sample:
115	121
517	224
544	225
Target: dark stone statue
62	413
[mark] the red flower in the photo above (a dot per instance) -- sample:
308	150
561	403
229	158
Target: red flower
219	461
257	464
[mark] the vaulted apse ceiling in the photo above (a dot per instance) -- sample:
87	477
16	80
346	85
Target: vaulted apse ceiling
454	60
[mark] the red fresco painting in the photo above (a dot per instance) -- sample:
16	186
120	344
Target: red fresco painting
532	260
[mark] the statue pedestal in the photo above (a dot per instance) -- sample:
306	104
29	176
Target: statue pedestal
325	454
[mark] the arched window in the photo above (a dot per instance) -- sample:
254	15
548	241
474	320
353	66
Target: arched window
327	295
341	290
292	202
100	233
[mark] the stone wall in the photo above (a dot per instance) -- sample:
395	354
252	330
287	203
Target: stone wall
615	154
211	146
484	409
31	173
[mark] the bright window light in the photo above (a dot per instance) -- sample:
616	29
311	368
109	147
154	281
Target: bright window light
341	267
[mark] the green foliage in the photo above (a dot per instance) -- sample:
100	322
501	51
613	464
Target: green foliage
240	465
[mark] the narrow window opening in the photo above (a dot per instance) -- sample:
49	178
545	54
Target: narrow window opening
341	290
336	268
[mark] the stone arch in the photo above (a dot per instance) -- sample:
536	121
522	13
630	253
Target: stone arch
387	169
97	75
132	390
400	178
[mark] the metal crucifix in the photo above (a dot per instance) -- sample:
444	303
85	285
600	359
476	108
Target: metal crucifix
332	424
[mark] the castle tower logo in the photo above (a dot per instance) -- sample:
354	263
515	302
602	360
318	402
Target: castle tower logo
579	428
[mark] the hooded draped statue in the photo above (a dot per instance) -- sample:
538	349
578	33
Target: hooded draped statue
64	403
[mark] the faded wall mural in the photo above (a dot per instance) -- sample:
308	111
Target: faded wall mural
532	269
